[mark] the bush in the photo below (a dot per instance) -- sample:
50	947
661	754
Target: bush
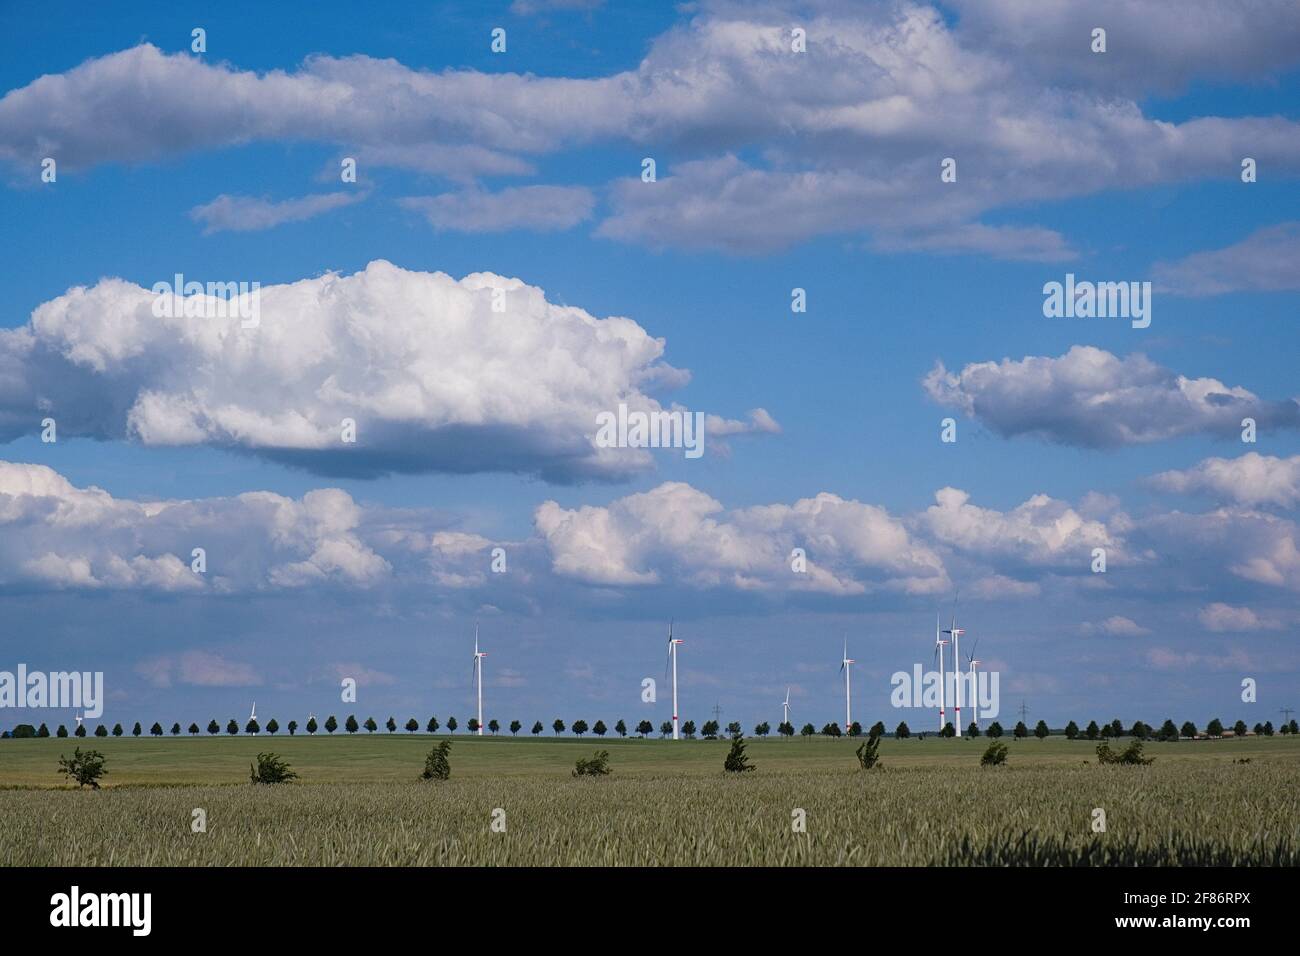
867	756
995	756
436	764
271	769
596	766
1132	754
736	761
85	768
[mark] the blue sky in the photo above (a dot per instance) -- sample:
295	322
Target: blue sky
776	170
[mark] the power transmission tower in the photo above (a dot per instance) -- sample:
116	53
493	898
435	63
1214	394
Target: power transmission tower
717	714
1286	713
1023	711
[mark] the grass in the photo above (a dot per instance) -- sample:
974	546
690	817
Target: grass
358	802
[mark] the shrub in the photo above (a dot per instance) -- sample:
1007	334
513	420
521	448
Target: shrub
85	768
436	764
1132	754
271	769
867	756
995	756
595	766
736	761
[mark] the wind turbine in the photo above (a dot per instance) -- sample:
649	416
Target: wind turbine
844	669
672	659
939	644
785	708
478	672
956	633
78	720
974	694
252	716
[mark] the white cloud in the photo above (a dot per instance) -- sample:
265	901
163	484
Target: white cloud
534	208
1265	261
197	669
434	376
248	214
676	534
1116	626
1251	480
1092	398
1224	617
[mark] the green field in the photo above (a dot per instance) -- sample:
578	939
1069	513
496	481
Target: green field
359	802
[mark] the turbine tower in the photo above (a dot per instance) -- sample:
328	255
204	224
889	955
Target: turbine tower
974	694
252	716
844	669
939	644
672	659
785	708
78	720
478	673
956	633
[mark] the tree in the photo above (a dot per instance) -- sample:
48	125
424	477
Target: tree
1106	731
558	726
785	729
995	730
948	730
272	727
80	731
688	729
736	761
1188	729
61	732
1040	730
412	725
117	730
85	768
331	724
390	725
1295	728
877	729
22	732
832	730
214	727
515	727
709	730
620	728
807	730
370	725
351	725
436	764
1259	730
665	729
901	731
973	730
156	730
1268	728
1167	731
1116	728
472	726
1214	728
996	755
1021	730
645	728
252	727
1239	728
733	728
232	727
762	729
137	730
595	766
493	726
176	729
293	727
432	726
271	769
1071	730
599	728
1093	730
855	729
102	731
1141	730
867	753
537	728
42	731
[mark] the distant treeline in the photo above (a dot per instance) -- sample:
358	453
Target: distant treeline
709	730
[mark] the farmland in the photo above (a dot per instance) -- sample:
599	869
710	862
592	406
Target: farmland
358	802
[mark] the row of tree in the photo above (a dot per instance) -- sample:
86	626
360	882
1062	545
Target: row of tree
710	730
